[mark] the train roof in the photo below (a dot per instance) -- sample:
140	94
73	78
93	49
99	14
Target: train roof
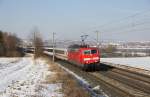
76	46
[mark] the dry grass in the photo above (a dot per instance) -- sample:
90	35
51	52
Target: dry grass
70	86
72	89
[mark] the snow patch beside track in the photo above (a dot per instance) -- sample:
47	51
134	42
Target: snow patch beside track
26	78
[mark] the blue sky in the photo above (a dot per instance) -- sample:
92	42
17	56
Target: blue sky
71	18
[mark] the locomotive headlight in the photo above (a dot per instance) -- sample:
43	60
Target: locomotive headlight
87	59
95	58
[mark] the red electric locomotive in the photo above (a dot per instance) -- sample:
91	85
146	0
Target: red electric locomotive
84	56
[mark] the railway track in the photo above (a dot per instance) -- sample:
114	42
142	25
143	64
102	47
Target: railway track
114	82
132	79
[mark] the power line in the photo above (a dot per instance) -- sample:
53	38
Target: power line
128	26
131	16
119	20
130	30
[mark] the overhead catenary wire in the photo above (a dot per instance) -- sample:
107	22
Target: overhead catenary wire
119	20
128	26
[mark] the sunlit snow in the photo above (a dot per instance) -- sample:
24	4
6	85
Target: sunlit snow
137	62
23	77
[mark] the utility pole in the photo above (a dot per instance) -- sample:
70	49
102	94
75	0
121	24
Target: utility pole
34	44
97	38
54	46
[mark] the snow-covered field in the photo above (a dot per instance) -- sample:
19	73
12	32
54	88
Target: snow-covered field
138	62
23	77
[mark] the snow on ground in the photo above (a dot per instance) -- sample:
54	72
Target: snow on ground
26	78
138	62
5	62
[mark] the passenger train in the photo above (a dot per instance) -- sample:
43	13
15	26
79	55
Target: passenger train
83	56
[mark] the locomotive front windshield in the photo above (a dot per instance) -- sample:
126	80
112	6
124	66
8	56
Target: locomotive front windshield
87	51
90	51
93	51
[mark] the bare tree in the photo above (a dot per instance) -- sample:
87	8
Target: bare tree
11	41
37	43
9	45
2	47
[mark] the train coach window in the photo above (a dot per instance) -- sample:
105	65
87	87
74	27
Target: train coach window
87	51
59	51
93	51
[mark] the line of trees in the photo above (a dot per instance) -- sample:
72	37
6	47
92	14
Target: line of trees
109	51
9	45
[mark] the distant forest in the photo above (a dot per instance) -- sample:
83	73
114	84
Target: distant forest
9	45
